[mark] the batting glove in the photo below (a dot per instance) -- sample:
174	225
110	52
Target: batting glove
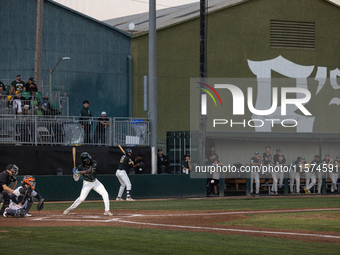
75	171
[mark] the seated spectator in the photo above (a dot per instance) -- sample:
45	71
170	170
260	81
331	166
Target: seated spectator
18	84
139	164
162	162
34	101
2	91
11	96
99	136
46	108
30	85
186	164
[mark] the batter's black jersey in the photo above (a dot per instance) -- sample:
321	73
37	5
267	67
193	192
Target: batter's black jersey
92	175
124	163
6	179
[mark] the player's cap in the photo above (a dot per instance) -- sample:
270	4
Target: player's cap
17	92
256	153
103	113
216	159
159	149
31	79
327	155
303	158
186	155
86	101
338	156
18	75
316	156
281	155
278	149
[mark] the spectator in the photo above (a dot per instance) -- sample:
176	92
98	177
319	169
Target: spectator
30	85
85	121
18	84
162	162
2	91
186	164
11	96
17	103
45	106
103	123
34	102
139	164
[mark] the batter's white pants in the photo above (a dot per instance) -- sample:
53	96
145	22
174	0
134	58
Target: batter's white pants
334	178
294	176
124	181
310	177
255	176
96	186
275	176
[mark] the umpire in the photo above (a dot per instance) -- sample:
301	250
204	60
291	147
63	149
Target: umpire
6	177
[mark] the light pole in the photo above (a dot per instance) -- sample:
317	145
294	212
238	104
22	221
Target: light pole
51	71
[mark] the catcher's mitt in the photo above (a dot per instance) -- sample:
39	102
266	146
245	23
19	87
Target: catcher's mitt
40	205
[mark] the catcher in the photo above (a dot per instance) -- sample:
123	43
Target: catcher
21	199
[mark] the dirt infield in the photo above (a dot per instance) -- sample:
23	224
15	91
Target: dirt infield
200	221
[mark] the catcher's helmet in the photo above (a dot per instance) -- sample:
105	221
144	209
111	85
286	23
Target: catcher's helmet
29	179
85	157
13	168
128	150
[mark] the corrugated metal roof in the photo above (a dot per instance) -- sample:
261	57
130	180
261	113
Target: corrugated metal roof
174	15
169	16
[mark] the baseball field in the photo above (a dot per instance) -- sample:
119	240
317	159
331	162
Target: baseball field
261	225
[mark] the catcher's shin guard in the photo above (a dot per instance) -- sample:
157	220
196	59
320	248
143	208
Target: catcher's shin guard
29	204
16	213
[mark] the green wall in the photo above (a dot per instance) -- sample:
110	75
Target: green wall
235	34
64	188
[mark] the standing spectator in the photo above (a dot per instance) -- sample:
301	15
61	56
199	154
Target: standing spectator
6	178
30	85
85	120
162	162
186	164
139	164
17	103
18	84
102	124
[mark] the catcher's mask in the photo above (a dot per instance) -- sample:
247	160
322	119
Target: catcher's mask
13	168
85	157
28	179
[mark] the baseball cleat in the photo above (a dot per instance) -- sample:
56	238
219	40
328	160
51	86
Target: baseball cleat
129	199
5	213
306	191
119	199
67	211
28	214
108	213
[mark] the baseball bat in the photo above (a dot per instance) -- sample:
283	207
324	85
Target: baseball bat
120	147
74	156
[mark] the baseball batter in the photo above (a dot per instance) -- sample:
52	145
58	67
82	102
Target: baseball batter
124	164
88	169
21	199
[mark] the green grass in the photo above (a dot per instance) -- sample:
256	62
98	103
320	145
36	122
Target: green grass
121	240
315	221
211	204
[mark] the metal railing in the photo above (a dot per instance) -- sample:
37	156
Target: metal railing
31	129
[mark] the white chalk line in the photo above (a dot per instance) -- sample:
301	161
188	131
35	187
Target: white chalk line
88	218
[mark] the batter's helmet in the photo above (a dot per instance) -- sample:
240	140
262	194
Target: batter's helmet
29	179
13	168
85	157
128	150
